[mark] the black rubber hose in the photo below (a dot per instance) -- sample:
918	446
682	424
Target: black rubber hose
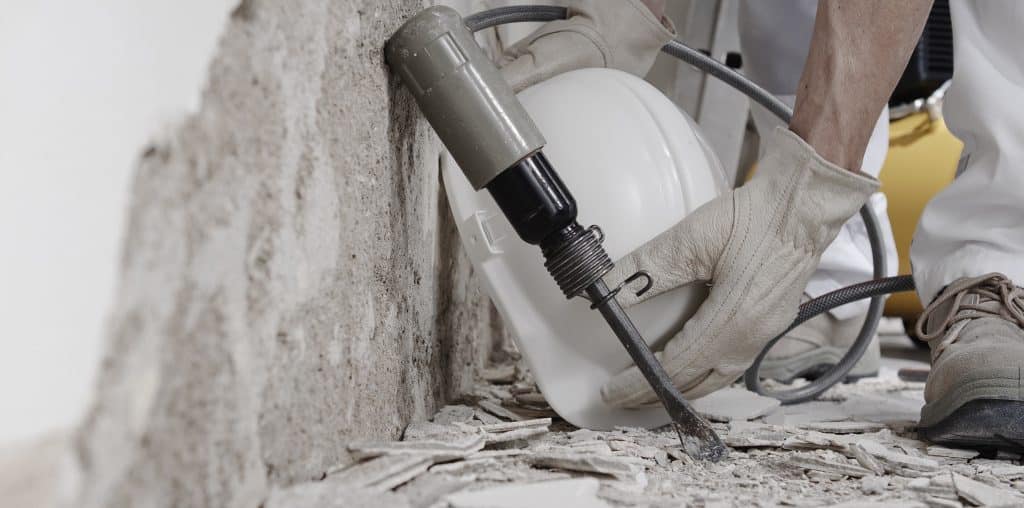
514	14
874	289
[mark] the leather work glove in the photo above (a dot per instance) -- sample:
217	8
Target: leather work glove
622	34
758	245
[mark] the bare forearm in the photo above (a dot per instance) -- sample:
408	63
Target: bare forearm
858	52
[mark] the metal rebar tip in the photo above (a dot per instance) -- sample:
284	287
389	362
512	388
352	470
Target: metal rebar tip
696	436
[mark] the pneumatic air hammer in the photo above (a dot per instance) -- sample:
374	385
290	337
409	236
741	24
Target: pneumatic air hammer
498	147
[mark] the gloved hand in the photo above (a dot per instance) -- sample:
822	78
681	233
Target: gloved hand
621	34
758	245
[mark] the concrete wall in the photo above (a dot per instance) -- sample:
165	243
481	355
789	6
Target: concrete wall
290	279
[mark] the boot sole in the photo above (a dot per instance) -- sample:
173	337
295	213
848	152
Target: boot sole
986	425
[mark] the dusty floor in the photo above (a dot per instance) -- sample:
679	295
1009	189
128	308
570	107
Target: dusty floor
504	447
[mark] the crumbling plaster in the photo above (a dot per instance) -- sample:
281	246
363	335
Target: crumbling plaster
291	278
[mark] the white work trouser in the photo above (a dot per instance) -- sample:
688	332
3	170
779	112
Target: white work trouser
976	224
775	38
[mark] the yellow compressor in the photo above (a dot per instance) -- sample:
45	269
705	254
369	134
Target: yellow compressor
922	160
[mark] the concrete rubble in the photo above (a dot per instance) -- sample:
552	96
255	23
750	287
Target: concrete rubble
504	447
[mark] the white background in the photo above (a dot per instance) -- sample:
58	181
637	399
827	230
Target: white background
83	85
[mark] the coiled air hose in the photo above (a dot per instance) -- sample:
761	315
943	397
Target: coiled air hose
875	289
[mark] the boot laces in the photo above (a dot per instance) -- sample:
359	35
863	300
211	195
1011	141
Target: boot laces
991	288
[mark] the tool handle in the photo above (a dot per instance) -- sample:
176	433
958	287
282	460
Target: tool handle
462	94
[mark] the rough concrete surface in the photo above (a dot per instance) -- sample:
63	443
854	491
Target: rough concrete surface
291	279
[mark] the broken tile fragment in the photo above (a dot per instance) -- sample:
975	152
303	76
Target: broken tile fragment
627	447
880	407
382	473
436	449
1007	472
485	417
520	424
932	489
513	435
601	464
524	474
647	452
429	431
596	446
499	411
910	447
661	458
497	454
895	461
911	473
843	427
535	412
866	460
732	403
951	453
750	435
938	502
811	440
980	494
943	480
813	463
821	476
984	464
504	432
462	467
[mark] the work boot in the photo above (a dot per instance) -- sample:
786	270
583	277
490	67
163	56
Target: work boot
974	395
812	348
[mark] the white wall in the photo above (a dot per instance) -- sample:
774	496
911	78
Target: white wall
83	85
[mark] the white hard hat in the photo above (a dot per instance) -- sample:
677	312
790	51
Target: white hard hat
636	166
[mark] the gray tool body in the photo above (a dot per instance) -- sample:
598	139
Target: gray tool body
462	93
498	147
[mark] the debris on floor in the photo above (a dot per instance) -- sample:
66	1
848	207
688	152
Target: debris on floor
980	494
504	447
